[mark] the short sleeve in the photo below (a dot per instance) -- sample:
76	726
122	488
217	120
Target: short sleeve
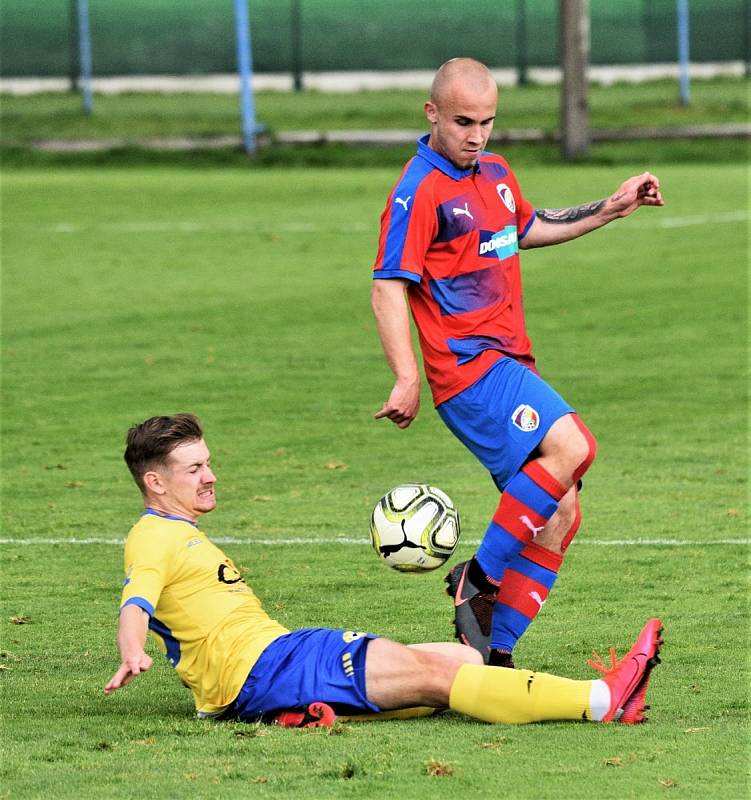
409	225
148	560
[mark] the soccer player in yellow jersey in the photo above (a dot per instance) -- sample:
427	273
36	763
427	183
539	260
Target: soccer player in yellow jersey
241	664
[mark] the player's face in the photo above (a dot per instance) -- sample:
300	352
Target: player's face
461	122
188	482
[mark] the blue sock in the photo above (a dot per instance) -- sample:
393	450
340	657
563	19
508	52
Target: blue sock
528	501
525	587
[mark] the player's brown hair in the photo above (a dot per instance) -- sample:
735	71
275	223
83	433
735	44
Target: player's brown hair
149	444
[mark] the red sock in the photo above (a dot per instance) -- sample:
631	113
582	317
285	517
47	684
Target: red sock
524	589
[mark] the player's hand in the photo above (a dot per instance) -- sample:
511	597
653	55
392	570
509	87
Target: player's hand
130	668
641	190
403	403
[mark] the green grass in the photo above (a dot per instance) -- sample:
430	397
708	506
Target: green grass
132	116
242	295
131	119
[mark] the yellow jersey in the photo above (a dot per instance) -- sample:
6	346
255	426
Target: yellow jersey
206	620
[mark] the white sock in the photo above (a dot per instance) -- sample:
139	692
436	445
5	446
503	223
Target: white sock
599	699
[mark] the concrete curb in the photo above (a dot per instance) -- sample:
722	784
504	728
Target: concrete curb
387	138
359	81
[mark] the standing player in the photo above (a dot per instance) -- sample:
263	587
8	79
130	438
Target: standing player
450	236
241	664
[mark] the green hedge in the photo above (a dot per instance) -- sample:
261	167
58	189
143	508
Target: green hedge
197	36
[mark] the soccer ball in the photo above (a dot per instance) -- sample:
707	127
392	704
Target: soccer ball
414	527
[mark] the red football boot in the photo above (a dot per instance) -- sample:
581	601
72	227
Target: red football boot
628	678
316	715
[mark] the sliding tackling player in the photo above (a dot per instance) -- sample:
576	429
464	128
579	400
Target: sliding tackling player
240	664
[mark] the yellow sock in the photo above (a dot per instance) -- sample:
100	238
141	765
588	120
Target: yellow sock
495	694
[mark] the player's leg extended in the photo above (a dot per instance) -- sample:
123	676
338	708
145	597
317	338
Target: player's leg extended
504	419
530	577
398	676
570	448
528	501
452	650
529	504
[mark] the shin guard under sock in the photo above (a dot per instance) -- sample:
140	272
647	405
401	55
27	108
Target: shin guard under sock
518	696
523	592
528	501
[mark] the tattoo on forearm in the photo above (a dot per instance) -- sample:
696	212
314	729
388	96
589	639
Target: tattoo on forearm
567	215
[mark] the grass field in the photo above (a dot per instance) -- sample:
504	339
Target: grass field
242	295
130	116
129	123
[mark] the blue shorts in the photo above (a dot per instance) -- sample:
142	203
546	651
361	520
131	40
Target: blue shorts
299	668
503	417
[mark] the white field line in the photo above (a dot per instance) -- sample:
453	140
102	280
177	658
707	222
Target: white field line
191	227
704	219
638	542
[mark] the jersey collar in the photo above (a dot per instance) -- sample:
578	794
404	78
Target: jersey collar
153	513
439	162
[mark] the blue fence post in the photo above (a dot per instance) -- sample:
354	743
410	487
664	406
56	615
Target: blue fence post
244	67
84	44
683	51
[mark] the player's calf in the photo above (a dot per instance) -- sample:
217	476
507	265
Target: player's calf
522	696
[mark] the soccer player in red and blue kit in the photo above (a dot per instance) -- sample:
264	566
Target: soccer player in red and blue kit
449	252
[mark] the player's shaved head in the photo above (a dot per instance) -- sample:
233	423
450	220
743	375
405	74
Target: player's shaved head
465	73
461	110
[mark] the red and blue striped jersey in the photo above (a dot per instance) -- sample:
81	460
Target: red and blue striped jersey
454	234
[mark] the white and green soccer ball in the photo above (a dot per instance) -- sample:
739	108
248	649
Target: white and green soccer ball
415	527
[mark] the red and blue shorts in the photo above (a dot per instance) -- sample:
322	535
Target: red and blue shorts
503	417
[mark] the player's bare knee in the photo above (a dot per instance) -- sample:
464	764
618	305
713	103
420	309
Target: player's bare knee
586	449
438	672
454	650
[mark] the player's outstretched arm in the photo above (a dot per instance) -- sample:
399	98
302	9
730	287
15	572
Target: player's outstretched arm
556	225
131	637
392	320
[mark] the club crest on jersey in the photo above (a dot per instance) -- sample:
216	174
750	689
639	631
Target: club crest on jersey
507	197
226	573
500	245
526	418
